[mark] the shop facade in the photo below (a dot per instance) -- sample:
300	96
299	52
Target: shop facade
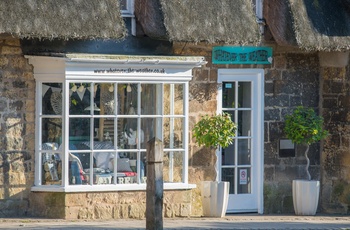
77	116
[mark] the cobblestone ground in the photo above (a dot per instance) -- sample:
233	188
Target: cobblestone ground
228	222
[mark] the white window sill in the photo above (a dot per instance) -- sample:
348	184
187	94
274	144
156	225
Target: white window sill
107	188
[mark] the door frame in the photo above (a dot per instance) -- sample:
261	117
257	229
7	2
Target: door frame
223	75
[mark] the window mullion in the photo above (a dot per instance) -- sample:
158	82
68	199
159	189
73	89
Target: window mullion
65	132
185	133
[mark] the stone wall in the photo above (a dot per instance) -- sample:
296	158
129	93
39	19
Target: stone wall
335	193
17	107
107	205
292	80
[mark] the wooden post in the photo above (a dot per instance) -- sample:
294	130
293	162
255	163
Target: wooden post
154	192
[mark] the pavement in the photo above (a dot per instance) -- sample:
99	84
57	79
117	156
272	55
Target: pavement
236	221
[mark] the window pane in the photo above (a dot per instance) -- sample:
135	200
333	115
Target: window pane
151	128
104	129
126	168
243	179
104	161
79	129
173	133
244	94
123	4
228	155
143	167
80	99
244	118
51	165
79	168
52	98
130	134
228	95
52	130
151	99
244	153
128	104
105	92
228	174
173	99
173	166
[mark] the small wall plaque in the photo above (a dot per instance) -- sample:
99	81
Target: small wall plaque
286	148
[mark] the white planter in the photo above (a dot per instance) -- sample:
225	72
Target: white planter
215	198
305	196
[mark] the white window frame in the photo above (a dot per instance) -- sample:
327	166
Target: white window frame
129	12
76	67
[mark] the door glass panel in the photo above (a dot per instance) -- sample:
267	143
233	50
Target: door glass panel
244	94
228	155
243	179
228	174
243	126
244	153
228	94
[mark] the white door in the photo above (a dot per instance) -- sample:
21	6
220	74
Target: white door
241	93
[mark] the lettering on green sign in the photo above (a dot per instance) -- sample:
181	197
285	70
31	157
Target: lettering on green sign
254	56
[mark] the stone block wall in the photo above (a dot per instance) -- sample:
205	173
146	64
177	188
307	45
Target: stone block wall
292	80
107	205
17	107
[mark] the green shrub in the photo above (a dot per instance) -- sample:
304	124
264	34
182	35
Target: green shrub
304	126
215	131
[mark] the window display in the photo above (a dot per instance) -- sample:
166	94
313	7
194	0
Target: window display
95	115
109	124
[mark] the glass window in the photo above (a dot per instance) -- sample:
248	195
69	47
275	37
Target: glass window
107	126
51	134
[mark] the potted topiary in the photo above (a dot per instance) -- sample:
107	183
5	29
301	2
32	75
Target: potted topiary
304	126
215	131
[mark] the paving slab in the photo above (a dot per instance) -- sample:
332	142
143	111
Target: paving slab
249	221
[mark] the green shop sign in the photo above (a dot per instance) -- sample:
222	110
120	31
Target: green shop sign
241	55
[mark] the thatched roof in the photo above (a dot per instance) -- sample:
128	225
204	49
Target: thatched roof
65	19
319	25
212	21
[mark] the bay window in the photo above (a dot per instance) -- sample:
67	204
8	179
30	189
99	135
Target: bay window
95	116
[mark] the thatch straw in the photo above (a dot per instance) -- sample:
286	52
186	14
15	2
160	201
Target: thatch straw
279	21
317	25
149	15
64	19
211	21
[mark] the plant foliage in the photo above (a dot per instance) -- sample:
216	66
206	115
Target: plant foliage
304	126
217	130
